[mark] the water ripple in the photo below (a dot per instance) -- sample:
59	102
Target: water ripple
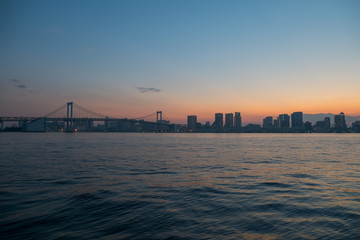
179	186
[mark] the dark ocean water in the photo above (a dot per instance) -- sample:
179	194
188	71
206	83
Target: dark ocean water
179	186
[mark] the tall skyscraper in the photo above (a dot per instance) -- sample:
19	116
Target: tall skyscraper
297	120
277	123
237	120
268	122
229	120
327	124
340	121
219	121
284	121
191	122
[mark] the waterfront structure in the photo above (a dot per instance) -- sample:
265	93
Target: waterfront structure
63	119
323	126
339	120
237	120
356	127
219	121
38	125
297	120
276	123
229	120
319	126
308	126
284	121
268	122
55	121
252	128
327	124
191	122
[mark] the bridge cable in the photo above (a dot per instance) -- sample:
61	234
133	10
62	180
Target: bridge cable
56	110
88	111
166	118
150	115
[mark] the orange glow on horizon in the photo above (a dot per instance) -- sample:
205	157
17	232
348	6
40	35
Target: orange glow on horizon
253	110
249	115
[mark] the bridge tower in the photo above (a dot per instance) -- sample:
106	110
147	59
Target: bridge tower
158	116
69	117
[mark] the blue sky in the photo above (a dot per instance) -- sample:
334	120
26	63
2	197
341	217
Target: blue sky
256	57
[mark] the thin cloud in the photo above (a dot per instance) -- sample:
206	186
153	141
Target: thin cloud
19	84
146	90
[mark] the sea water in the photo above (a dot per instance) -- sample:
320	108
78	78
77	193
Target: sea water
179	186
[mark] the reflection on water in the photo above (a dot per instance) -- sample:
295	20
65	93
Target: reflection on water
179	186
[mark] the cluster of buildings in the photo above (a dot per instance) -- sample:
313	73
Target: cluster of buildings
232	123
298	124
283	123
228	123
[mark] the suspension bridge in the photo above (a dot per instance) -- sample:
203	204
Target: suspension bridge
72	117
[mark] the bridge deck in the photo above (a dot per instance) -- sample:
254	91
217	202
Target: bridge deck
52	119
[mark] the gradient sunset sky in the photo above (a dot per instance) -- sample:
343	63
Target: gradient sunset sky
132	58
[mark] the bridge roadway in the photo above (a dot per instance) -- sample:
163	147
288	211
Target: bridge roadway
64	119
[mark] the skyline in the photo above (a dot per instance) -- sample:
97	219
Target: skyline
127	58
79	119
237	118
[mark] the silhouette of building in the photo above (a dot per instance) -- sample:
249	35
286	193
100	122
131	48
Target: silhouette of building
308	126
219	121
252	128
38	125
284	121
339	120
319	126
229	120
297	120
268	122
191	122
322	126
276	123
356	126
327	124
237	120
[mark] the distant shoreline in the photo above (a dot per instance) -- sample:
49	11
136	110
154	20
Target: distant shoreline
187	132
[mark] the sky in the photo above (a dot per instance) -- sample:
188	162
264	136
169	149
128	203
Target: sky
132	58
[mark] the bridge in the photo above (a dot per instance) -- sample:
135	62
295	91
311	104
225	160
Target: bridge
72	117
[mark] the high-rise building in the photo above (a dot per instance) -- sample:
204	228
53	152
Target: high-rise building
319	126
297	120
340	121
229	120
191	122
219	121
327	124
268	122
356	126
237	120
277	123
284	121
308	126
